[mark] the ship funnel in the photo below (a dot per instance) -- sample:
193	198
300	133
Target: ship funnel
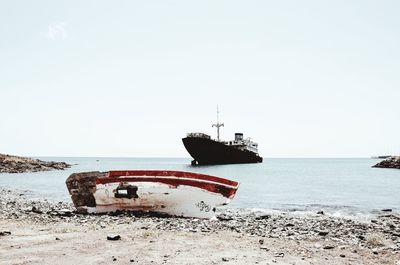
238	136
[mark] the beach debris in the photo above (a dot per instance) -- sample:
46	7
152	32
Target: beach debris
113	237
342	255
225	259
173	193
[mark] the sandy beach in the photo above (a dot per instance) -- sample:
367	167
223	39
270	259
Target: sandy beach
43	232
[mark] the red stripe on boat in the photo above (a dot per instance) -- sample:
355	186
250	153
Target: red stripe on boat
170	173
222	186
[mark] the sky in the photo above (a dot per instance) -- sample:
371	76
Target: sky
131	78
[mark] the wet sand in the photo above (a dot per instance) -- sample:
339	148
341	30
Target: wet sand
42	232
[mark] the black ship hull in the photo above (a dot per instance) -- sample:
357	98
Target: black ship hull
209	152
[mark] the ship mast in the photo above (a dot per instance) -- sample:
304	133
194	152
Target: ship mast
218	124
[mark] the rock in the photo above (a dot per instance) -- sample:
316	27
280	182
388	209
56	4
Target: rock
5	233
17	164
323	233
386	210
36	210
342	255
263	217
225	259
64	212
396	234
113	237
263	247
321	212
279	254
224	217
390	162
328	247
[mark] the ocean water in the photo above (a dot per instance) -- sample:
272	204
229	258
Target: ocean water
336	186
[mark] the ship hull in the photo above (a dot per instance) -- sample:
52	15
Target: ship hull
173	193
209	152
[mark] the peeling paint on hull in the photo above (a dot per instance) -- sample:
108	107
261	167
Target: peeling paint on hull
174	193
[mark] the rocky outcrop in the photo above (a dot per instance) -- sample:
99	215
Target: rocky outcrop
17	164
390	162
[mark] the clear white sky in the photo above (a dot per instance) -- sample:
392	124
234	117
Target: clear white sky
131	78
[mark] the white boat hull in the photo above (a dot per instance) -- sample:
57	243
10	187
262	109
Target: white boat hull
170	192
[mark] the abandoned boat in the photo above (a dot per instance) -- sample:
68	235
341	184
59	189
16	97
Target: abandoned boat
207	151
173	193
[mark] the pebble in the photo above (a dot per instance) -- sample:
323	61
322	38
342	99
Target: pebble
278	225
5	233
328	247
323	233
264	248
113	237
279	254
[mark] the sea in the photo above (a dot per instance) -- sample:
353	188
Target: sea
337	186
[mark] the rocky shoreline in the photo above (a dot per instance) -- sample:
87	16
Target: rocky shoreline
378	237
390	162
18	164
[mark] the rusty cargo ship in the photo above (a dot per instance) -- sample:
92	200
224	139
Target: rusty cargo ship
207	151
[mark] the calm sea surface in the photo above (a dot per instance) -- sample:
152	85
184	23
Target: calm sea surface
336	186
